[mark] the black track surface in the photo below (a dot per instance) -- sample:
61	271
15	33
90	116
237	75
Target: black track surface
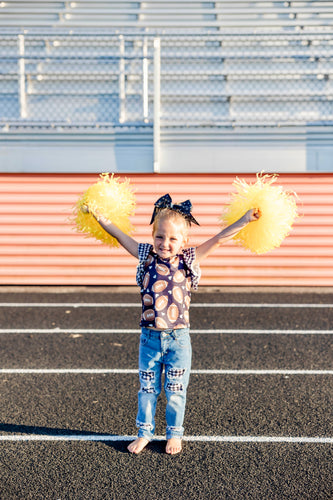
218	404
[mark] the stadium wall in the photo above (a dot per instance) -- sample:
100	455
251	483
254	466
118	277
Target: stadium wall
251	150
38	245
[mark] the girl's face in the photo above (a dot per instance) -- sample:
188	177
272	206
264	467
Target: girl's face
169	237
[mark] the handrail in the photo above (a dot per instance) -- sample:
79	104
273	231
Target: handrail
130	95
185	24
134	2
73	127
51	33
232	74
98	11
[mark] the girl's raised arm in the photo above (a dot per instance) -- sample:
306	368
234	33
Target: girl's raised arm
226	234
124	239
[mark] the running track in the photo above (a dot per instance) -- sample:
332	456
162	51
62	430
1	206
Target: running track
259	413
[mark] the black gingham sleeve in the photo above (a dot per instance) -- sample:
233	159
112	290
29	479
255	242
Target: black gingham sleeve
189	258
143	251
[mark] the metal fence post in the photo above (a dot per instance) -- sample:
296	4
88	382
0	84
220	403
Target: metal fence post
145	80
157	103
122	92
21	78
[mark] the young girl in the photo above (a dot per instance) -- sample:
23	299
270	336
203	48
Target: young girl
166	273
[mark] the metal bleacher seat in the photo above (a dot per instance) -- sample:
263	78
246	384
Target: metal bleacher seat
222	63
166	14
71	80
251	79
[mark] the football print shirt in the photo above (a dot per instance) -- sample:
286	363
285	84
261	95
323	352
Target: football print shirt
166	288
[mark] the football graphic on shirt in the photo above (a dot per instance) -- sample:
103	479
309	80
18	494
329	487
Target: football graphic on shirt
145	282
179	325
159	286
162	269
161	323
148	300
173	313
177	294
188	284
179	276
161	302
149	315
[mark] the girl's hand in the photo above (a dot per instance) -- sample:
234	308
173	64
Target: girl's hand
100	218
85	209
253	214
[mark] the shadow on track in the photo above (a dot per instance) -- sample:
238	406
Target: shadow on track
121	446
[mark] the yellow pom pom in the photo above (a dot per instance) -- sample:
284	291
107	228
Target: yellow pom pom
110	198
278	212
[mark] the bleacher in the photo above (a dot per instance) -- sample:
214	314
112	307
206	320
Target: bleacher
244	86
90	64
168	15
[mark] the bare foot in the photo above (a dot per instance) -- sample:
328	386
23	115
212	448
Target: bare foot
174	445
137	445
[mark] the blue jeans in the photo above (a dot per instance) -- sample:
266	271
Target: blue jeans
172	349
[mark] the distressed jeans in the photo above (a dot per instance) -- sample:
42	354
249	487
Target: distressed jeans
171	349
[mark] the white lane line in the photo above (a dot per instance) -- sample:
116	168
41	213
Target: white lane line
137	331
201	439
102	371
70	330
258	305
264	331
76	305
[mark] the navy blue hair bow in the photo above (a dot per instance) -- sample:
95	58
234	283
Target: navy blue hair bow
183	208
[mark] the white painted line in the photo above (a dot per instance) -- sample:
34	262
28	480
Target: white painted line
201	439
99	371
69	330
65	371
137	331
259	305
264	332
259	439
76	305
263	372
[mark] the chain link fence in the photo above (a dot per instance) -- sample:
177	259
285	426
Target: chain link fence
74	81
94	81
247	80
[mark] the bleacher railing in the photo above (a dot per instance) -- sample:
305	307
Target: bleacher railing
167	14
85	81
64	82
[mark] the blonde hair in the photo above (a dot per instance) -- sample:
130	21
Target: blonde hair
169	214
